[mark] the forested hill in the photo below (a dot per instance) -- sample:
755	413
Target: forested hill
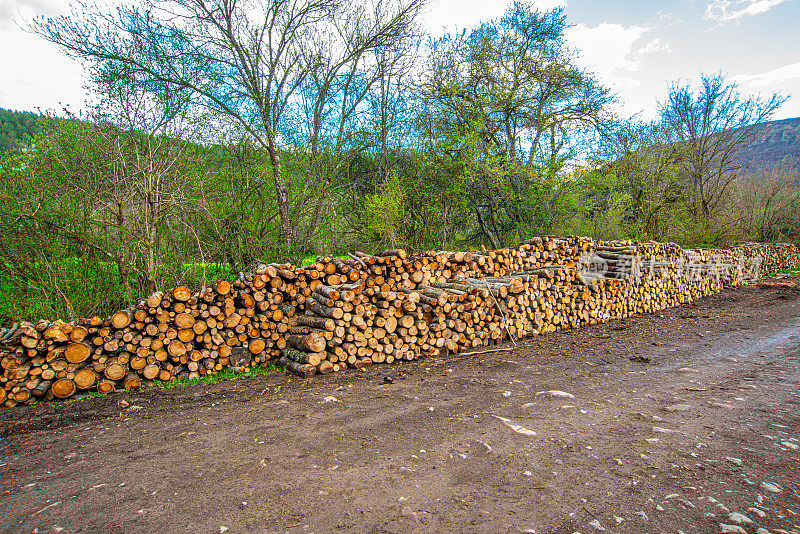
776	141
18	128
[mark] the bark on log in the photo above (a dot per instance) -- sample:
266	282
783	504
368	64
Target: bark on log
313	342
304	370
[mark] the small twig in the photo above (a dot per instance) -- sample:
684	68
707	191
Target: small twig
505	323
359	260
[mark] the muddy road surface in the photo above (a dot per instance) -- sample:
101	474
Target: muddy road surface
683	421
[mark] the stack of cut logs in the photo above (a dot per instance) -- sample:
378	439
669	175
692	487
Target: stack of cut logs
340	313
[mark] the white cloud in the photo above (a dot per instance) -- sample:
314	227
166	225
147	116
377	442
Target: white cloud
37	75
668	17
656	46
14	12
772	77
547	5
611	50
617	54
607	47
725	10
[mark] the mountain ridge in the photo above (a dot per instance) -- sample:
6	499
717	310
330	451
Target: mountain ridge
776	141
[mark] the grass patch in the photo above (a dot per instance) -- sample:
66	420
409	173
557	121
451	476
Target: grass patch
308	260
87	287
785	272
86	395
226	374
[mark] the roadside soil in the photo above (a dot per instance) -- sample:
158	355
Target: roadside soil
686	420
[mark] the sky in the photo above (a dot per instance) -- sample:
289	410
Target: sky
637	48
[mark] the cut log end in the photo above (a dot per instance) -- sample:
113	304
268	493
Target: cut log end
77	352
182	293
63	388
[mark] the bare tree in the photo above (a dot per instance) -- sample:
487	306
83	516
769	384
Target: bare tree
643	157
246	59
141	184
337	117
767	202
710	126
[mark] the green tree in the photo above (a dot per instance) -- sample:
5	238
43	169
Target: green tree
18	128
506	103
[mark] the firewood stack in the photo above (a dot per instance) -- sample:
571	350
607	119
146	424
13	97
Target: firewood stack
747	262
340	313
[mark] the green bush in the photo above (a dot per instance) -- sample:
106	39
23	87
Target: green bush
80	287
383	212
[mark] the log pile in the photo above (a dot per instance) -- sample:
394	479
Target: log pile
340	313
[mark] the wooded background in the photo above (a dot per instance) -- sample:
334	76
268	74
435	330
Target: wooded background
227	133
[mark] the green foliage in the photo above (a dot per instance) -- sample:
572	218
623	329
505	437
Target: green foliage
383	212
597	207
85	287
66	288
786	272
238	225
18	129
75	239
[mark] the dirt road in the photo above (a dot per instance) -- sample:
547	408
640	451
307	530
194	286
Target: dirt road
703	437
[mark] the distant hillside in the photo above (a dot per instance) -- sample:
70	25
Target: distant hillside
777	140
17	128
